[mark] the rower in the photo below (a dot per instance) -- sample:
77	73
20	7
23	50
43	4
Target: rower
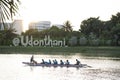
43	62
67	62
55	61
49	61
61	62
77	62
31	59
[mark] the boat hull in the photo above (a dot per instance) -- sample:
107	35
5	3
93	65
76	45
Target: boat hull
54	65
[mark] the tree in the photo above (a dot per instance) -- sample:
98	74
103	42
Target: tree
116	33
6	36
33	32
67	26
73	41
106	32
93	40
55	32
83	41
115	19
8	8
93	25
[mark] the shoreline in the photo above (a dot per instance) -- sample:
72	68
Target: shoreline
71	50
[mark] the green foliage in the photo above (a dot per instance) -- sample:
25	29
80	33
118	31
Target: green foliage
8	8
6	36
93	40
116	33
108	42
67	26
92	25
115	19
55	32
102	42
83	41
119	42
103	30
93	32
73	41
92	36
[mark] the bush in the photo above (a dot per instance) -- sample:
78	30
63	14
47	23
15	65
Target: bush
94	42
108	42
73	41
83	41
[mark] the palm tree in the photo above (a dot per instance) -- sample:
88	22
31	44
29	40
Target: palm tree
67	26
8	8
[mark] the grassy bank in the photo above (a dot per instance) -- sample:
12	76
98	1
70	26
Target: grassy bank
83	50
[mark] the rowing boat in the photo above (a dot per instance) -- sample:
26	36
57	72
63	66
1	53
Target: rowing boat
54	65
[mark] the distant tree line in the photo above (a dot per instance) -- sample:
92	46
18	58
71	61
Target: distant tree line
103	32
92	32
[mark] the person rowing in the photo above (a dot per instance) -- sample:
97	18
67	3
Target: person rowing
49	61
32	60
55	61
67	62
77	62
61	62
44	62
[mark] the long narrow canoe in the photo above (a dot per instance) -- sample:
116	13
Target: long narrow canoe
55	65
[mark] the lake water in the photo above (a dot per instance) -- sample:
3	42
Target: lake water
102	68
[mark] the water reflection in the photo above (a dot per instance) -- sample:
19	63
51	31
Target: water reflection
103	68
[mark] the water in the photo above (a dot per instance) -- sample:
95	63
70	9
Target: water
102	68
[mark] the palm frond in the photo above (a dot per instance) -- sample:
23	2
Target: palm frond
8	9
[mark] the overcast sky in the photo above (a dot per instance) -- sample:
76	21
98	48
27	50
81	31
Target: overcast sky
58	11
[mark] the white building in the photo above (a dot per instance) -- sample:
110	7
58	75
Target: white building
41	25
58	25
18	26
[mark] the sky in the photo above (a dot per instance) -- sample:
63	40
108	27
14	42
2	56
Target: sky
59	11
